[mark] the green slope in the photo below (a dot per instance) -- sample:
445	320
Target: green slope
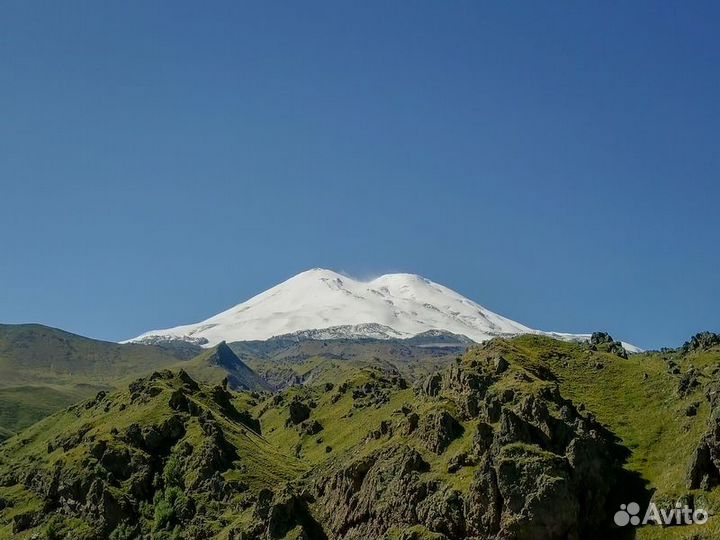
285	363
162	435
220	362
43	370
22	406
528	438
638	399
32	354
332	460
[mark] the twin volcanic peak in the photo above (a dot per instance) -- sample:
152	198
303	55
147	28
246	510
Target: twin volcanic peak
323	304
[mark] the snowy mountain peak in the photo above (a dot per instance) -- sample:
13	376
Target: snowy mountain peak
317	273
389	306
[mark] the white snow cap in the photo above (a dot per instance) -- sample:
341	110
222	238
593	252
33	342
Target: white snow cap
390	306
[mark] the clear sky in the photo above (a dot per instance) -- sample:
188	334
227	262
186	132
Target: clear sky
556	162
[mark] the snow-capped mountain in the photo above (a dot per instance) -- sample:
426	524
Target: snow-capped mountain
329	305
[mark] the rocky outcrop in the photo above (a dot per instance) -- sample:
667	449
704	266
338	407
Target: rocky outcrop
437	430
106	477
311	427
702	341
603	341
543	470
215	454
599	338
298	411
286	514
486	449
704	470
539	484
362	498
689	382
432	384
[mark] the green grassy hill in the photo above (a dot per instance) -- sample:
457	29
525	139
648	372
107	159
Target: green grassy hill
654	402
220	362
285	362
32	354
43	370
528	438
148	444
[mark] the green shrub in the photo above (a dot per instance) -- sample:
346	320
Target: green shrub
173	472
169	504
164	514
123	532
53	531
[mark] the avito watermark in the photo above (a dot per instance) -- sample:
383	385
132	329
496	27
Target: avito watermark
680	514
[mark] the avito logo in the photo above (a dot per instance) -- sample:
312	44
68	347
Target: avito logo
680	514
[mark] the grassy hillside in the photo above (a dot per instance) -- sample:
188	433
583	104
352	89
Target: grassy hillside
32	354
220	362
22	406
59	368
43	370
641	400
528	438
490	446
161	435
285	362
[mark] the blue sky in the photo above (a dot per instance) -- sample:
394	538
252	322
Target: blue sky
161	161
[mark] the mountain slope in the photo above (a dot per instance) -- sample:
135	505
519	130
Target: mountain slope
529	438
390	306
162	451
33	354
285	362
488	448
44	369
220	362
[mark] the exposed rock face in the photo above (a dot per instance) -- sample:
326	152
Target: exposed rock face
437	430
311	427
598	338
432	384
544	472
285	514
486	449
702	341
360	500
106	478
538	484
215	454
689	381
604	341
299	412
468	387
483	439
704	470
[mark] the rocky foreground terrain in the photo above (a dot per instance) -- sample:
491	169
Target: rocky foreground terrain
529	438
